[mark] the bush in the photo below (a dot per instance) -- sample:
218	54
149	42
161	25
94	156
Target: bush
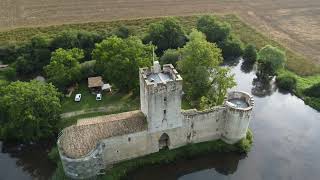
214	30
287	82
123	32
313	91
250	53
54	155
170	56
166	34
10	74
231	47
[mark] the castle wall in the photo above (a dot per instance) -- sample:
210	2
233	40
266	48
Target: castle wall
203	125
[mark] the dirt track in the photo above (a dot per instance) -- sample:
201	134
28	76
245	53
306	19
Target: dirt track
294	22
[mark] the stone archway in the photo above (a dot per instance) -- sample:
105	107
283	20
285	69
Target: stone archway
164	141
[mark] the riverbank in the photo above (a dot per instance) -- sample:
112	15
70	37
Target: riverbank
122	169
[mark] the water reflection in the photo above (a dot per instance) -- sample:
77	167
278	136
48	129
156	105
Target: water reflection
286	142
25	161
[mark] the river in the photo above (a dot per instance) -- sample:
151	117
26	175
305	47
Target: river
286	146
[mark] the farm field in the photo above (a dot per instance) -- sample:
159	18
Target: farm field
295	23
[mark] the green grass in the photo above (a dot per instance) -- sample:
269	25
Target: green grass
111	101
121	170
303	83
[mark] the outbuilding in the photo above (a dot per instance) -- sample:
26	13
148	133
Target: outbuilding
95	84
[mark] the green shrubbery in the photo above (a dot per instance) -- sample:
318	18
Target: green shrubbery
250	54
313	91
286	81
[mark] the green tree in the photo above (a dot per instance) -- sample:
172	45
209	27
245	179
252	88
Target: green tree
199	67
286	81
10	74
77	39
119	60
270	59
214	30
166	34
64	67
34	56
231	47
250	53
28	110
123	32
170	56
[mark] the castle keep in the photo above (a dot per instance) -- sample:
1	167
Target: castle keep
93	144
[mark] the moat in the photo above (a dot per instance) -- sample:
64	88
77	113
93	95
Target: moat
285	146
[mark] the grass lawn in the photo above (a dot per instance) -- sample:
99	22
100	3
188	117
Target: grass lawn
114	101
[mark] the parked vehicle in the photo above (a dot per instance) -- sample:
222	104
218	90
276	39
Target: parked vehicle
99	97
77	98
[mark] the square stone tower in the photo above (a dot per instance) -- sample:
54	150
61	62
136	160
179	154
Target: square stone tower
160	96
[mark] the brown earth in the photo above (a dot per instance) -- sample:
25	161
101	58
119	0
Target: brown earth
293	22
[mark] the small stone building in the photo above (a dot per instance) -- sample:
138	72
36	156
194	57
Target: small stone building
94	144
95	84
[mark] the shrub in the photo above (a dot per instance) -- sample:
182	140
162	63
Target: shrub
10	74
166	34
231	47
250	53
170	56
313	91
123	32
287	82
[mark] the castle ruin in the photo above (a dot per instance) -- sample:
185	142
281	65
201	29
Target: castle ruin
94	144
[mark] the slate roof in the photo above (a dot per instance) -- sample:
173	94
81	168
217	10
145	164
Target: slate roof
78	140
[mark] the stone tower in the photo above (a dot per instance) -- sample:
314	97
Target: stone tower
160	96
238	115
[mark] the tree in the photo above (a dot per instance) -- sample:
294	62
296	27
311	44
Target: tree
270	59
250	54
64	67
286	81
231	47
77	39
123	32
220	33
8	52
28	110
34	56
170	56
119	60
214	30
10	74
199	67
166	34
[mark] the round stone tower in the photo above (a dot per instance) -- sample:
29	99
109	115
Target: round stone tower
238	115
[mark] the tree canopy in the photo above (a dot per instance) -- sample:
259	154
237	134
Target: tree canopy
220	33
166	34
270	59
201	72
33	56
28	110
170	56
214	30
64	67
250	53
119	60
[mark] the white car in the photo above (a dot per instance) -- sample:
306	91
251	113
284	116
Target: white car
77	98
99	97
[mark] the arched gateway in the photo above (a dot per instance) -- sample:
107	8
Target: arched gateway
164	141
